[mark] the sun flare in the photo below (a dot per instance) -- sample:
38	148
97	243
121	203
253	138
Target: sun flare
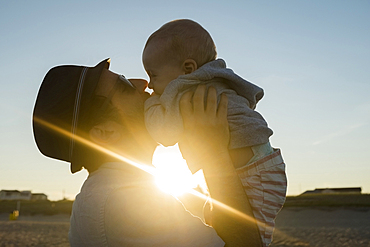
173	156
173	175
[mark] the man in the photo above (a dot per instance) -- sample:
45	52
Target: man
93	118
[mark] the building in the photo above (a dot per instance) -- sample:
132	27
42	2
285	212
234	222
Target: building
39	197
350	190
16	195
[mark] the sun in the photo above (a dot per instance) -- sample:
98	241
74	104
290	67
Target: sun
172	173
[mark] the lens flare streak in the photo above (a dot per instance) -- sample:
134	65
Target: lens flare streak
149	169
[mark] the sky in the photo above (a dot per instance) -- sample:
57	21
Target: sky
312	59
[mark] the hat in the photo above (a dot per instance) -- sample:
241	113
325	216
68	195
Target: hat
64	98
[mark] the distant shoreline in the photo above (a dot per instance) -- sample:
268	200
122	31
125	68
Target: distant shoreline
319	201
328	200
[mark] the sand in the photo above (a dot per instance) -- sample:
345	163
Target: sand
321	227
34	231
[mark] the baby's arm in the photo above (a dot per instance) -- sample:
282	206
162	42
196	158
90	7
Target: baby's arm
163	120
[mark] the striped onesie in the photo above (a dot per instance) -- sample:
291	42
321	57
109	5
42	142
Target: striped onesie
265	184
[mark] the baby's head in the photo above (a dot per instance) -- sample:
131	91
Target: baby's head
179	47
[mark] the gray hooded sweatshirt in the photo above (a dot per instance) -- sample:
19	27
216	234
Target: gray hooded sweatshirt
247	127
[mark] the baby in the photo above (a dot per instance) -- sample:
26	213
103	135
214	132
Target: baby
178	57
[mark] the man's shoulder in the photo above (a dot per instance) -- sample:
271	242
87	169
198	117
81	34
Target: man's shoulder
141	197
110	179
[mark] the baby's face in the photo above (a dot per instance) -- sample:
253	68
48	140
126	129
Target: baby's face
161	70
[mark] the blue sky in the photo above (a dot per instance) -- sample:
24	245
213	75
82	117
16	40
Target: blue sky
312	58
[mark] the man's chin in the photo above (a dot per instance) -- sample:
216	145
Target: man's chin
146	95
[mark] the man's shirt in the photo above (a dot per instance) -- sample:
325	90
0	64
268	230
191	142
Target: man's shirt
120	205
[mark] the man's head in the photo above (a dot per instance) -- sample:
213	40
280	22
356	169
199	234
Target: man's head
79	108
179	47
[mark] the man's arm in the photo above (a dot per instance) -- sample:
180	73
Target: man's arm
204	145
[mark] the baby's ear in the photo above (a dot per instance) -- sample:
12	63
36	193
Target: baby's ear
189	66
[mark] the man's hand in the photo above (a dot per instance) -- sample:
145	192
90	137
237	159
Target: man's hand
206	130
205	146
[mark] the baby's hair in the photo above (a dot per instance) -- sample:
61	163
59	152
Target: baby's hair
186	39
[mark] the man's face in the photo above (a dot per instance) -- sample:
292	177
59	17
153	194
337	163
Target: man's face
160	69
129	101
131	138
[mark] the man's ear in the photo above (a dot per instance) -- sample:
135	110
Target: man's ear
105	133
189	66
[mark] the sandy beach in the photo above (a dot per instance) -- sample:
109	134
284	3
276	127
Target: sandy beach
34	231
314	227
323	227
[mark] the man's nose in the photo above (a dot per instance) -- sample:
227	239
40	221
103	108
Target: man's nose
140	84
